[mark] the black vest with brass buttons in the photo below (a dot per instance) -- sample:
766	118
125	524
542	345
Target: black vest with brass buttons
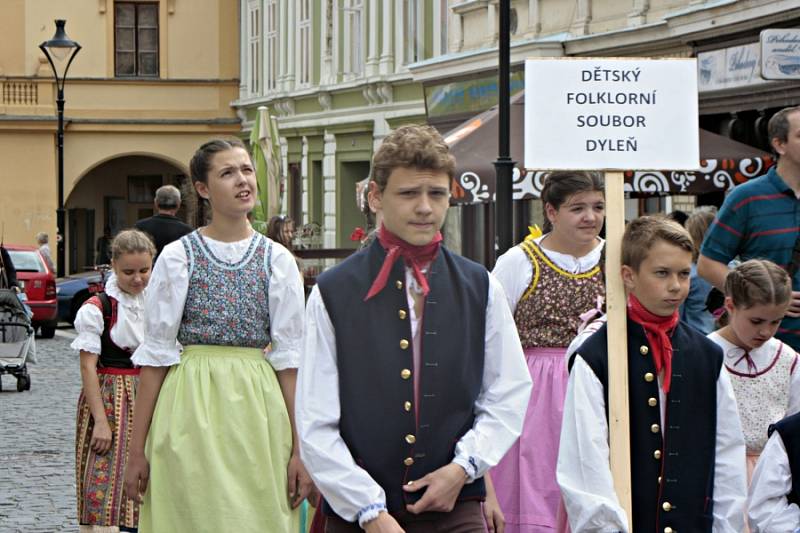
672	476
789	430
375	360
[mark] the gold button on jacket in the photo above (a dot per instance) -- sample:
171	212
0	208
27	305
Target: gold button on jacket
669	530
644	350
655	428
652	402
411	439
649	377
405	373
657	454
408	461
403	344
398	284
407	406
666	506
402	314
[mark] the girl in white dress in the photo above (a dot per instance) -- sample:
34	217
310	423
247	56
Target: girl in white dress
763	369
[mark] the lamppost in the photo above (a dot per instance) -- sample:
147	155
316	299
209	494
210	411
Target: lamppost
60	51
504	165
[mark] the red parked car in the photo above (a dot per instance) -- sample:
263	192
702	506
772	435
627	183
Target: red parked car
39	284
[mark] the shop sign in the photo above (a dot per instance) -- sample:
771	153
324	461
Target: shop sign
472	96
611	114
729	68
780	53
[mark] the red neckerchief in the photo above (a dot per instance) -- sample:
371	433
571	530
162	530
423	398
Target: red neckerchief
414	256
657	330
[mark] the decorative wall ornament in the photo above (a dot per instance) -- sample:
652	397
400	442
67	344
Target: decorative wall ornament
325	100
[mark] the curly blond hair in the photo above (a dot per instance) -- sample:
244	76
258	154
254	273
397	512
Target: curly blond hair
412	146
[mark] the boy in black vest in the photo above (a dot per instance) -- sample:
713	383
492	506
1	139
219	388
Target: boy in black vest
413	381
774	498
687	447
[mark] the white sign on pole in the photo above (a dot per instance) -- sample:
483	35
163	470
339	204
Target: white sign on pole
780	54
614	114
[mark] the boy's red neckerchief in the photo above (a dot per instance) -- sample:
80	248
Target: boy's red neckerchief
657	329
414	256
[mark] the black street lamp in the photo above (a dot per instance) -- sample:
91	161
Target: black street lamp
60	51
504	165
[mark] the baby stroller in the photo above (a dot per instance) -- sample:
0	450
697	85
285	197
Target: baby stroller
16	340
16	336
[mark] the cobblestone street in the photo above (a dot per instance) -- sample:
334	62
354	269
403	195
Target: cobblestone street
37	435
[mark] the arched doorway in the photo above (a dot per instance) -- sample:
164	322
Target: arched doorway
114	195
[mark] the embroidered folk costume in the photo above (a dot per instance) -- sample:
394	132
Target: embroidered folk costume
220	438
110	325
551	295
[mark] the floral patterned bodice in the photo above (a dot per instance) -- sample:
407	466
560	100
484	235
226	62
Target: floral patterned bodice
227	303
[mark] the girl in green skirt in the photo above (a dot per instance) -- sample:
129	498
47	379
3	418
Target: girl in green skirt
213	445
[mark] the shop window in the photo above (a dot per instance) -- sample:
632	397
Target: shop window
136	39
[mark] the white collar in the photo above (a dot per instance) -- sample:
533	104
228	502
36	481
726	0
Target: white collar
125	299
574	265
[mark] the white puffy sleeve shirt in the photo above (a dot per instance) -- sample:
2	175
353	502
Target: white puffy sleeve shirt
127	332
583	470
169	285
499	409
769	510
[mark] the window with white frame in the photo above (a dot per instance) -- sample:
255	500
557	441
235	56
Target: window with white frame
254	48
305	43
271	38
354	39
413	30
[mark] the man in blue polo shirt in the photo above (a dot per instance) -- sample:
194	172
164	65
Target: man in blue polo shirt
761	219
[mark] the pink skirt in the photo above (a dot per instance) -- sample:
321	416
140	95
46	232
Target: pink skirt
525	479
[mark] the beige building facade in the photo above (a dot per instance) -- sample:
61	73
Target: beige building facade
153	81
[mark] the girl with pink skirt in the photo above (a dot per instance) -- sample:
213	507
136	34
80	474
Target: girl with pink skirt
554	283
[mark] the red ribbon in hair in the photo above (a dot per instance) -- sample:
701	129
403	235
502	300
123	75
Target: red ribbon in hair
415	257
657	330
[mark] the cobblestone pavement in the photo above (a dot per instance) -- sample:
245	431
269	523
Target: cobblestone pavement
37	439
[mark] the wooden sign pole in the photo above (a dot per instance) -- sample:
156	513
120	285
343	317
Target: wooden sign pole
618	411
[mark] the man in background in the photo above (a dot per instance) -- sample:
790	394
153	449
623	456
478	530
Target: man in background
164	227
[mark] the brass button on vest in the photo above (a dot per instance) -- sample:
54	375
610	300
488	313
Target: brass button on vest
407	406
408	461
652	402
655	428
411	439
666	506
657	454
649	377
405	373
402	314
669	530
398	284
644	350
403	344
